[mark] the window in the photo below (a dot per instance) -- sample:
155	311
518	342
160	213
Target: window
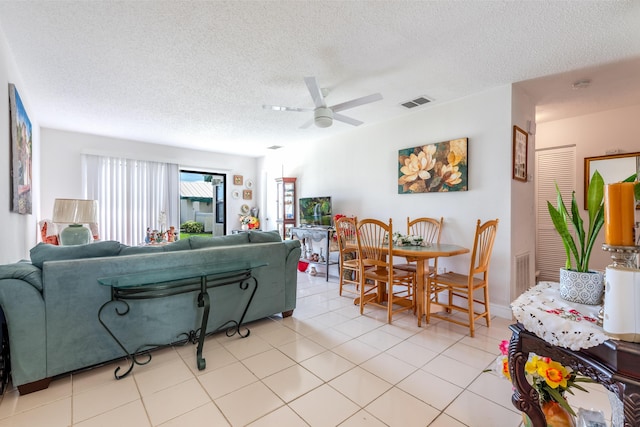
132	195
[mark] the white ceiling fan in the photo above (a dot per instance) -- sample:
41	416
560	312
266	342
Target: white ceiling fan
323	115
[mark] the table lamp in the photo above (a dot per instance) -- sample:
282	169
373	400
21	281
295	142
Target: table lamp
75	212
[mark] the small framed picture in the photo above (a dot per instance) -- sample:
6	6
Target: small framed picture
520	149
237	179
247	194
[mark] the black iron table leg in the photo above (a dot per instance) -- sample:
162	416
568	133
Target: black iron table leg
142	285
203	301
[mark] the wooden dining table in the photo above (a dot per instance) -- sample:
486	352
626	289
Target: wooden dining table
421	255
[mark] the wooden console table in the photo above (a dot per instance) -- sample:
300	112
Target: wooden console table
614	364
569	333
165	283
315	234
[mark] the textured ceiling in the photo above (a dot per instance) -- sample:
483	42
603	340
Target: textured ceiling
196	74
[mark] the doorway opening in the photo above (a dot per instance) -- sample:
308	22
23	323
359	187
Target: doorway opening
202	204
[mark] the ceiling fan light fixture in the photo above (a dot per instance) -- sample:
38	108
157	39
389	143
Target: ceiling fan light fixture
323	117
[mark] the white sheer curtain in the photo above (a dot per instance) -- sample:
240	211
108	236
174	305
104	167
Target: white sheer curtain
131	196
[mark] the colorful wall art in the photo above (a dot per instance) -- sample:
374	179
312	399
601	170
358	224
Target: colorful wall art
431	168
21	146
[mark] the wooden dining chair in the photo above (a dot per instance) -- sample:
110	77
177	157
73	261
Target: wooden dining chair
348	252
430	230
459	289
380	283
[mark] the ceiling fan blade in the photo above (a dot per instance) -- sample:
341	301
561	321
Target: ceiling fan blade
356	102
281	108
314	90
306	124
346	119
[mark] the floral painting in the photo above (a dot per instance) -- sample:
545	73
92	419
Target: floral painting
21	146
433	168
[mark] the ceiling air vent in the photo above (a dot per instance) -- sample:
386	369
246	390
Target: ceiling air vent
274	147
416	102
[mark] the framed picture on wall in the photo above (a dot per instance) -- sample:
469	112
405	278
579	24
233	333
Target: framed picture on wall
247	194
21	154
237	179
520	149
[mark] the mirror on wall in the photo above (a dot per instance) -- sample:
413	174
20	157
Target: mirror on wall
613	168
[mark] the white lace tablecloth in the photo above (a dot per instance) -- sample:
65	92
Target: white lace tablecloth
563	323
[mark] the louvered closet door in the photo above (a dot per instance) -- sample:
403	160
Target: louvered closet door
552	165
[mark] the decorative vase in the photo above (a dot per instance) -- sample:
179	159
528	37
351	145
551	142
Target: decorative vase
244	227
583	288
554	414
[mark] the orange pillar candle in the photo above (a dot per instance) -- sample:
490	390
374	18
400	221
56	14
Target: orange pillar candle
619	214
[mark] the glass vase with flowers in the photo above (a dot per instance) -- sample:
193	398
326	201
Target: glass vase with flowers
249	222
551	380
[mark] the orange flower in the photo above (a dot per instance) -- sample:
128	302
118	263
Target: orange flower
505	368
553	373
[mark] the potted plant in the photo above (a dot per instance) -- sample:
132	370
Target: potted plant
580	284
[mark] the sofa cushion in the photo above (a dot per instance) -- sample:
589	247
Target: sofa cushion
180	245
44	252
134	250
199	242
264	236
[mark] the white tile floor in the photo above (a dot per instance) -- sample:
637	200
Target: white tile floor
324	366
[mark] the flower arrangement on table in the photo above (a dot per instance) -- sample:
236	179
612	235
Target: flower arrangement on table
407	240
250	221
550	379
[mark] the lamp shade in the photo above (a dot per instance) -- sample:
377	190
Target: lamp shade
75	211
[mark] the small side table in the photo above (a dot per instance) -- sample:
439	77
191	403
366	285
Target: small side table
166	283
316	234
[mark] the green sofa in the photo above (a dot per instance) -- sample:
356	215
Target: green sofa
51	304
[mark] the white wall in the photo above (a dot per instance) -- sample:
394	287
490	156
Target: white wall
359	171
593	135
61	168
18	231
523	213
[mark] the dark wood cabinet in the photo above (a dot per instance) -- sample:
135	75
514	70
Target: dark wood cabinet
287	209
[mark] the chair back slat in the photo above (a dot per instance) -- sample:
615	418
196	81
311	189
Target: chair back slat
483	246
429	229
346	232
374	242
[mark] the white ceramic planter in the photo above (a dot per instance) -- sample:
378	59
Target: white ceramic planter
583	288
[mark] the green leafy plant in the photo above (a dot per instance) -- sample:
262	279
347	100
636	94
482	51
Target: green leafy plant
595	208
192	227
561	217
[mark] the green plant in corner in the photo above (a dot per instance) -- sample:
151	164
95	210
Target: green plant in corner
561	217
595	208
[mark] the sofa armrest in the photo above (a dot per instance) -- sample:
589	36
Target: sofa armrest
291	272
23	308
24	271
292	245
